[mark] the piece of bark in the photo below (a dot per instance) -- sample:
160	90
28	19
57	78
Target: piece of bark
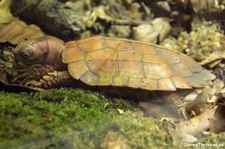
51	15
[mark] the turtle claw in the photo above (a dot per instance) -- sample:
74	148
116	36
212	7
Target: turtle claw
21	70
45	82
33	83
39	84
20	77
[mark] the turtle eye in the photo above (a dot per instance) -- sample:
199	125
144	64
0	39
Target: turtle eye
27	53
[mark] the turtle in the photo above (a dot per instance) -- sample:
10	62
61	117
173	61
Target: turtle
115	66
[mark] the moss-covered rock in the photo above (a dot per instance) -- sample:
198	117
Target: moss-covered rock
72	118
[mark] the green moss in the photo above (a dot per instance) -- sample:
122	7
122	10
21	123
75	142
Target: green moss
70	118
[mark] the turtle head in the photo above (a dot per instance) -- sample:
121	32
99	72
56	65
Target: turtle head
42	50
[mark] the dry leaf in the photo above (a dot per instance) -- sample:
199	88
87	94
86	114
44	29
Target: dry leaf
202	6
120	111
114	141
16	31
157	30
5	15
186	131
98	12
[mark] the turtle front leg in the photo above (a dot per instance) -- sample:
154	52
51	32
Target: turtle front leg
34	72
53	79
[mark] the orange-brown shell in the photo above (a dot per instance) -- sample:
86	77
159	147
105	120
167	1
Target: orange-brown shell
119	62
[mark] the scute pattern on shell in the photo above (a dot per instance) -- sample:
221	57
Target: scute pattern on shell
120	62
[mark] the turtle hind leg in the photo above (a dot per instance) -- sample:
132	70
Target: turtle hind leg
158	109
166	104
